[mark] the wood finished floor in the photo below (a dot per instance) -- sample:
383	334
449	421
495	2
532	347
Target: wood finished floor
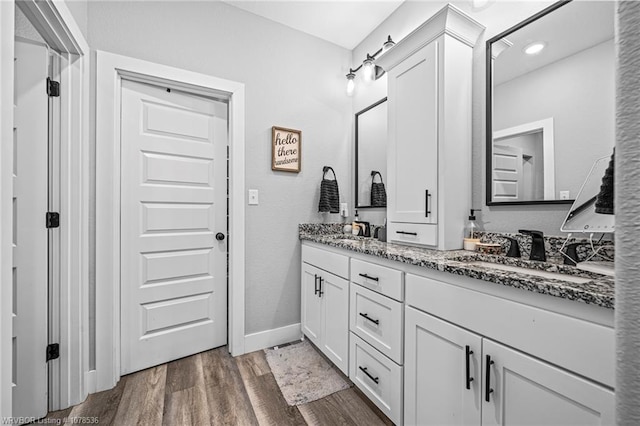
213	388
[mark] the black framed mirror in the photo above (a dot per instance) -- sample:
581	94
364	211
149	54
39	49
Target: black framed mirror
370	153
550	103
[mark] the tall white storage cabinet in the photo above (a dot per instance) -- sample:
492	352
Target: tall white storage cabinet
429	131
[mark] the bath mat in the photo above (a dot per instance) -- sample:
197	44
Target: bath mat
302	374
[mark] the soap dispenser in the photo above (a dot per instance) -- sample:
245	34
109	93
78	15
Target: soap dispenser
355	226
471	232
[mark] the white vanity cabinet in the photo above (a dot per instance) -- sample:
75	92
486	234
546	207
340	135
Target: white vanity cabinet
429	131
457	373
325	303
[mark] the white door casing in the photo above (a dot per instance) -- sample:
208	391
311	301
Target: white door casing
174	191
30	254
111	71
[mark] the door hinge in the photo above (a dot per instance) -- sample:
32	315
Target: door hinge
53	351
53	88
53	219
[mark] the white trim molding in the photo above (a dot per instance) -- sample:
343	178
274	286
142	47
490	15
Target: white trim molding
7	11
548	149
274	337
111	69
53	20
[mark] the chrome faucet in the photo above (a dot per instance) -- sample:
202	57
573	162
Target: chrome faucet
537	245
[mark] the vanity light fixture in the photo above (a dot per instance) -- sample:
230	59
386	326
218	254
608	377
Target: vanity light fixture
534	48
370	70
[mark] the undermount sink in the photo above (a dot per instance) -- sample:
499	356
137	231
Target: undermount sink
534	272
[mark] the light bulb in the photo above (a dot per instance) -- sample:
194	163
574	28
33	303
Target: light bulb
368	70
351	84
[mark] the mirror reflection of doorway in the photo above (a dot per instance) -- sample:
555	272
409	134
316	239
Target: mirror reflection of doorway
523	166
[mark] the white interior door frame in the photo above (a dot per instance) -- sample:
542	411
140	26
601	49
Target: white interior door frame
54	22
111	69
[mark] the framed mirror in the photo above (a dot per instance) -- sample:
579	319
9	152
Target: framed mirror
371	154
550	103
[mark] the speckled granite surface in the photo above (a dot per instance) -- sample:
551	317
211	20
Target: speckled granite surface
598	290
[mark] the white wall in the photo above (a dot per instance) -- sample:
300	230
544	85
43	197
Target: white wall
582	105
496	17
627	206
78	9
292	80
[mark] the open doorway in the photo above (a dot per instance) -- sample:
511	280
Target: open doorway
36	179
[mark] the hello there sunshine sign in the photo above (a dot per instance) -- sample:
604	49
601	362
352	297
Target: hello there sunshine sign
286	147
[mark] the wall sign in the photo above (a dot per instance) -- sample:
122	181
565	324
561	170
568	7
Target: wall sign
286	145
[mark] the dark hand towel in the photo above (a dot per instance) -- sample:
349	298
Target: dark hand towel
329	195
378	193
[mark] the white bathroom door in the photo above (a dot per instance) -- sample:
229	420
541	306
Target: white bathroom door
507	173
174	209
30	250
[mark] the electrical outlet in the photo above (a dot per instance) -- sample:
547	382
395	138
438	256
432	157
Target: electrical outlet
343	210
564	195
253	197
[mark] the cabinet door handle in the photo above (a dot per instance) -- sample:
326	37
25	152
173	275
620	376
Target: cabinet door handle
487	383
468	378
368	277
365	316
427	197
364	370
406	233
320	292
315	284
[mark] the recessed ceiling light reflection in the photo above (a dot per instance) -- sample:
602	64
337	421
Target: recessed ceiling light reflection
535	48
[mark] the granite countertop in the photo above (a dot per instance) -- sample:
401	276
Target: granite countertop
596	289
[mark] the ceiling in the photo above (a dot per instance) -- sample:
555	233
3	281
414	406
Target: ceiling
572	28
345	23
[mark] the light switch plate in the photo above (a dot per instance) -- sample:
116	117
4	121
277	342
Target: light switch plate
253	197
564	195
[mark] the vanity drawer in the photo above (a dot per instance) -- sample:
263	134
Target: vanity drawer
378	377
378	278
331	262
413	233
377	320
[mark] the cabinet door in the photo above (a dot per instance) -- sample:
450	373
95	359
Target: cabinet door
436	372
413	138
311	311
335	298
530	391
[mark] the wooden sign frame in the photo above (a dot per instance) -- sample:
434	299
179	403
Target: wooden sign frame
286	149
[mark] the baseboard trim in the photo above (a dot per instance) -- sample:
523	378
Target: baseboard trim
91	382
268	338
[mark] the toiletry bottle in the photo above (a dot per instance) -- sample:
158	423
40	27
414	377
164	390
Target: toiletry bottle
355	228
471	229
470	233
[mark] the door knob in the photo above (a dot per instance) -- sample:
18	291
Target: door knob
219	236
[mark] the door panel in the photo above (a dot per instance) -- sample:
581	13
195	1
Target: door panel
413	132
30	276
311	304
436	378
527	391
174	275
507	173
335	294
